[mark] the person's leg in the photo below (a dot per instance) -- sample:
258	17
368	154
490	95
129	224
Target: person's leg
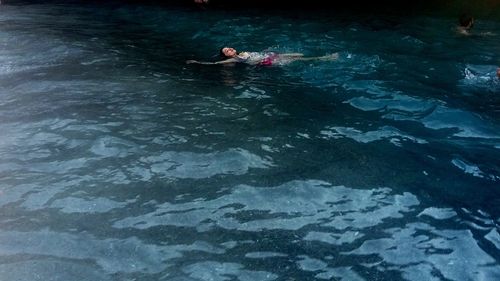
333	56
291	55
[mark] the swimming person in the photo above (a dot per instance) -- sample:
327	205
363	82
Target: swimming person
465	24
230	55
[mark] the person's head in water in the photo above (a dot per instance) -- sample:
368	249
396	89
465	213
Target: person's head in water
498	73
466	21
227	52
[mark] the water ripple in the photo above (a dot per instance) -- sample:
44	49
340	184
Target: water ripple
111	255
420	249
120	162
291	206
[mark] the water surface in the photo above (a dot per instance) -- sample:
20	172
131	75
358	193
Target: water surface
120	162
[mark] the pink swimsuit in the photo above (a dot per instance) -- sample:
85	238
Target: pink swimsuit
269	59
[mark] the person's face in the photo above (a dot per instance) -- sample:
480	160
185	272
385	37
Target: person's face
229	52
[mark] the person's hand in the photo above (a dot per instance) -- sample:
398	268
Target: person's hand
190	61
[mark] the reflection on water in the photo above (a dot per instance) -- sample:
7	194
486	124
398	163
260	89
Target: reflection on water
326	231
120	162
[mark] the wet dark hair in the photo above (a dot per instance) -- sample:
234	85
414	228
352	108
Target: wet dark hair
465	20
221	53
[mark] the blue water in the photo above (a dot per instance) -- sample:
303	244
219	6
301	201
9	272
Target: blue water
120	162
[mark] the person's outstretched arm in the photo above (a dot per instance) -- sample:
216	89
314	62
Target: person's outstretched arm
231	60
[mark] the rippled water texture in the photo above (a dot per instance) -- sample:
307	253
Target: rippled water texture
120	162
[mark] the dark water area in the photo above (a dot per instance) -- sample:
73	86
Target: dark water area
119	161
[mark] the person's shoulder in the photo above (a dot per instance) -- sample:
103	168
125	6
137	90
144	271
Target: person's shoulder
244	55
463	31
